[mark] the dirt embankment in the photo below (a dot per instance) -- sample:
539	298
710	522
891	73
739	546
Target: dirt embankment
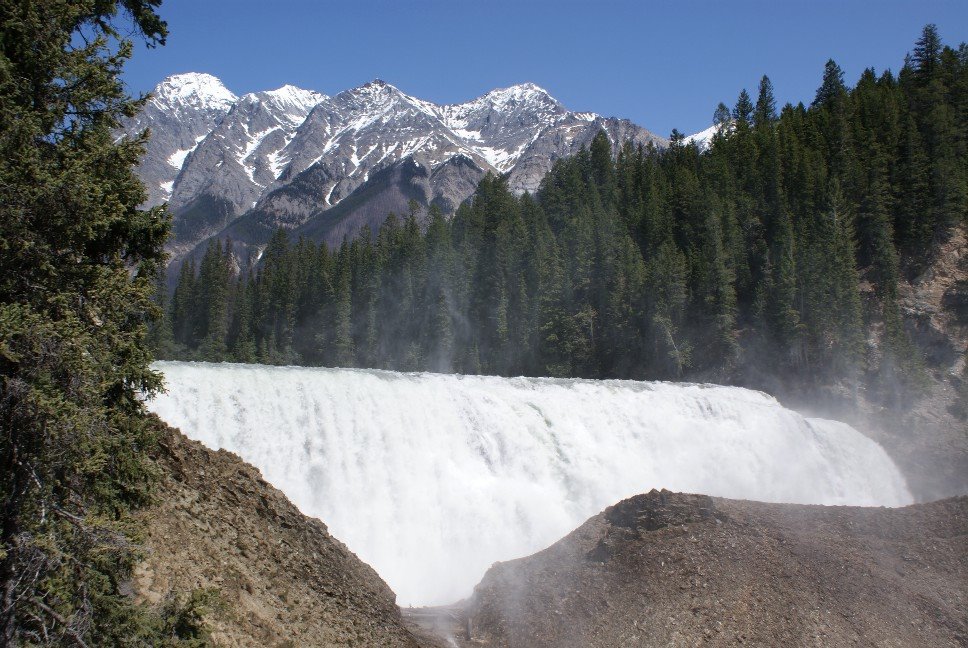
283	579
666	569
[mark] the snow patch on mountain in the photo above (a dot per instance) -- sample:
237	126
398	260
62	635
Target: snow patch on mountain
177	159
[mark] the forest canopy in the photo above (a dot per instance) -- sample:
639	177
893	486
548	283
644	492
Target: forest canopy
769	256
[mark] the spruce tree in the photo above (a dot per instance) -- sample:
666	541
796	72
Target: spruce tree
743	111
832	88
78	267
765	112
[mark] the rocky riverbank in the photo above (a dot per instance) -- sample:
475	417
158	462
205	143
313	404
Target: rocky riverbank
667	569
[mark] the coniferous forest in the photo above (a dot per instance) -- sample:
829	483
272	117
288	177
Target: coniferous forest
770	256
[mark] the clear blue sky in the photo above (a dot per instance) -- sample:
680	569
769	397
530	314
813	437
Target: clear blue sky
664	65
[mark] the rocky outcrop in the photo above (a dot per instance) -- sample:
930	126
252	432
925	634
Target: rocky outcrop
928	436
660	569
667	569
282	579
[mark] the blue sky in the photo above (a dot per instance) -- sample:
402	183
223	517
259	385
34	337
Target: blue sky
664	65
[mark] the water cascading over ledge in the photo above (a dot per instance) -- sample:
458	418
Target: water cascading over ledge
431	478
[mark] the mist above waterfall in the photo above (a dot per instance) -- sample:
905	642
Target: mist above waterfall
431	478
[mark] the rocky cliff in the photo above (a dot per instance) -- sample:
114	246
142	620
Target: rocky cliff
660	569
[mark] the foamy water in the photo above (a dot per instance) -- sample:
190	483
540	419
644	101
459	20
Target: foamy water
431	478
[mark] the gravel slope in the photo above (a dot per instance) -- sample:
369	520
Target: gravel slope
284	580
665	569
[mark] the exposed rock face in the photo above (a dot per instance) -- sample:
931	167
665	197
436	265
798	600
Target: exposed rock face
236	161
283	580
183	110
282	158
928	436
388	190
660	569
666	569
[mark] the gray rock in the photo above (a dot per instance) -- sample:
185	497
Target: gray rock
284	158
184	108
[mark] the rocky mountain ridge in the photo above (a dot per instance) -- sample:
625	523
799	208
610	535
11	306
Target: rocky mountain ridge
283	158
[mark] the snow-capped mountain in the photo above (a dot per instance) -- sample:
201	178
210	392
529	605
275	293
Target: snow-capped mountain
285	157
184	108
233	164
243	154
702	139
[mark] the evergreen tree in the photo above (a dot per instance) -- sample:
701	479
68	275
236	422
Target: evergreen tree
765	111
211	328
342	353
832	89
438	295
161	338
78	271
743	111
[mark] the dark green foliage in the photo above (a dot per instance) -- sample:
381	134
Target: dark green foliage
79	264
744	263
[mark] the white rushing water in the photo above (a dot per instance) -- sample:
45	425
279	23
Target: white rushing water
431	478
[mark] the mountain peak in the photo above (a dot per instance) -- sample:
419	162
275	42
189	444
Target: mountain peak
703	139
520	92
195	89
295	96
377	90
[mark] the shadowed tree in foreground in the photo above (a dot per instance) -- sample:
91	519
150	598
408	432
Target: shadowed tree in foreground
77	258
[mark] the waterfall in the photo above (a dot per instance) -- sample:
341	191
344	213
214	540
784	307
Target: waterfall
431	478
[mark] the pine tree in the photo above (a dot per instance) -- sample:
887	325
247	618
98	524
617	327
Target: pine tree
342	316
667	292
438	303
242	344
914	231
78	271
183	306
278	291
783	318
832	89
927	54
161	338
743	111
213	302
765	111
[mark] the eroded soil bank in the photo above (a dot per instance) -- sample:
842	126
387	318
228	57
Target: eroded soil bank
667	569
